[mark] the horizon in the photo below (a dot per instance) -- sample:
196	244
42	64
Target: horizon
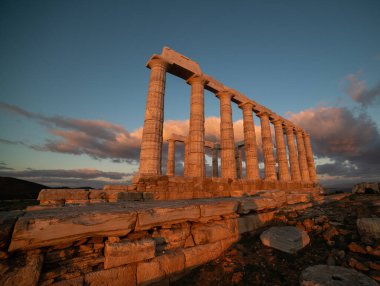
74	82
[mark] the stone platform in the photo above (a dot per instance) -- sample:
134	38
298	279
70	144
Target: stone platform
131	242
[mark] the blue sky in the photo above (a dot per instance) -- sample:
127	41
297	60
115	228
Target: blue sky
86	60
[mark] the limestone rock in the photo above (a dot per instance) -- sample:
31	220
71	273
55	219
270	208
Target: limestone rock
319	275
362	188
201	254
65	195
297	198
77	281
25	270
119	276
256	204
7	220
369	227
285	238
204	233
55	226
218	207
125	252
252	222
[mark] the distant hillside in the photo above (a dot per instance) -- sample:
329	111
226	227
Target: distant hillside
16	189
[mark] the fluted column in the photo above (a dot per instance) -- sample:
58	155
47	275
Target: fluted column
151	143
293	159
266	137
227	140
239	162
310	158
186	158
215	162
302	156
250	145
196	167
171	158
282	161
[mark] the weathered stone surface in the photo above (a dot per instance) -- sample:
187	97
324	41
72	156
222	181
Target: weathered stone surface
63	194
285	238
363	188
7	220
214	231
369	227
125	252
174	237
335	276
218	207
252	222
256	204
278	196
25	270
119	276
297	198
201	254
55	226
165	215
77	281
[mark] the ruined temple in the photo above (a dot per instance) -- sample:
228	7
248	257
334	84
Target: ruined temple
160	226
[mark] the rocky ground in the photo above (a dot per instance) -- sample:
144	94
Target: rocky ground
334	241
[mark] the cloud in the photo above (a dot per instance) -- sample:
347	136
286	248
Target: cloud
351	141
71	178
11	142
358	91
4	166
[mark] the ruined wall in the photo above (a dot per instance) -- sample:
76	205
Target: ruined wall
129	243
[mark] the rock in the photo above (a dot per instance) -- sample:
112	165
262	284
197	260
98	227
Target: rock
253	222
330	233
77	281
363	188
7	221
204	233
319	275
64	195
354	247
308	224
149	272
174	237
286	238
256	204
119	276
55	226
125	252
201	254
298	198
25	270
357	265
369	227
218	207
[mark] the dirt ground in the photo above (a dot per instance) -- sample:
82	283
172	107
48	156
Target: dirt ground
334	241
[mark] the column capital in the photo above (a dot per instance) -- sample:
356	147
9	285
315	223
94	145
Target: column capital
277	121
263	113
171	140
157	61
307	135
298	130
289	128
246	105
196	79
224	93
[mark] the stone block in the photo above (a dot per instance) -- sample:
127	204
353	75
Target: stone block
55	226
174	237
126	252
256	204
7	221
218	208
97	194
362	188
202	254
298	198
63	194
369	227
278	196
77	281
25	270
288	239
214	231
333	275
119	276
149	272
253	222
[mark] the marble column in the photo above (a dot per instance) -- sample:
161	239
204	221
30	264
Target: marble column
302	156
227	140
310	158
239	162
186	158
293	159
250	145
282	161
196	167
266	137
151	143
171	158
215	162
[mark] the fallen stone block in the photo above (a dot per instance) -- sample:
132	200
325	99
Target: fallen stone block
288	239
253	222
25	270
55	226
334	276
119	276
125	252
369	227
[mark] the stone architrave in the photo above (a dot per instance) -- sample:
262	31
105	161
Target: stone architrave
215	162
294	165
282	161
227	141
266	137
250	145
302	156
196	161
310	158
151	143
170	167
